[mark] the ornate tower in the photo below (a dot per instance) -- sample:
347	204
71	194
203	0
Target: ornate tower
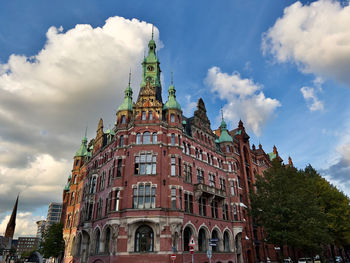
124	113
149	103
172	108
11	225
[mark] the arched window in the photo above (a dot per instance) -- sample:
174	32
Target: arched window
144	239
68	221
107	240
97	242
201	155
146	138
172	139
187	237
226	242
121	141
227	148
172	117
215	235
154	137
150	115
123	119
184	147
138	138
202	240
143	115
188	149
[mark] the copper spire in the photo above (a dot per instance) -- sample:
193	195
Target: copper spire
10	229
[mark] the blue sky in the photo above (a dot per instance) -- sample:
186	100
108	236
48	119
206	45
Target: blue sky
273	64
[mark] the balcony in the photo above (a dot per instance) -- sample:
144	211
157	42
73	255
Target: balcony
206	190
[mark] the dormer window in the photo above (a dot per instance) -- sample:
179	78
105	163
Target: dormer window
172	117
123	119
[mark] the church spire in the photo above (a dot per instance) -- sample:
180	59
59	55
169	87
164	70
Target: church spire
11	225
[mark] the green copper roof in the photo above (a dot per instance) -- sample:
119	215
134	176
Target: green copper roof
272	156
224	137
172	102
88	154
82	150
127	103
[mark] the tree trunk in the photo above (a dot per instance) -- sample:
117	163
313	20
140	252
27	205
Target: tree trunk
281	253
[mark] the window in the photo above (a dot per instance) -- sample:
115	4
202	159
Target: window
202	206
200	176
214	235
119	168
76	162
172	117
235	167
197	153
227	148
146	138
107	240
214	209
173	166
143	116
239	181
222	184
72	198
225	211
123	120
144	196
212	180
138	138
229	166
97	242
102	180
235	215
116	200
154	137
202	240
187	237
68	221
173	198
232	187
188	203
201	155
180	199
150	115
183	147
188	149
226	242
188	173
121	141
144	239
179	166
145	164
172	139
93	185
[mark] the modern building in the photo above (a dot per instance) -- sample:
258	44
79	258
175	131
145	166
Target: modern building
41	224
27	244
53	214
158	178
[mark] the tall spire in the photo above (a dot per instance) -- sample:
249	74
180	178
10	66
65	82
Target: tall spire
224	136
11	225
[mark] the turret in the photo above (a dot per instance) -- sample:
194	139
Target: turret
172	108
124	113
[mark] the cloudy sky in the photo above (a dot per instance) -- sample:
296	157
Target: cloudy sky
280	66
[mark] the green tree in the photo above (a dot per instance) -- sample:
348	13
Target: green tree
285	205
335	204
53	244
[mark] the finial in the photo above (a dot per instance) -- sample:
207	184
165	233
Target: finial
222	114
129	77
172	76
152	30
86	130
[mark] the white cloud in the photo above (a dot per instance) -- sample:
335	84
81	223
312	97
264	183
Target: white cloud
25	224
46	101
316	37
311	98
245	100
190	106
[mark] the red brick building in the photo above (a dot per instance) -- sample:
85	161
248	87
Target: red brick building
140	191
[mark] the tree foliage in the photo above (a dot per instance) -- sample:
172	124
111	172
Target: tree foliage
53	244
299	208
